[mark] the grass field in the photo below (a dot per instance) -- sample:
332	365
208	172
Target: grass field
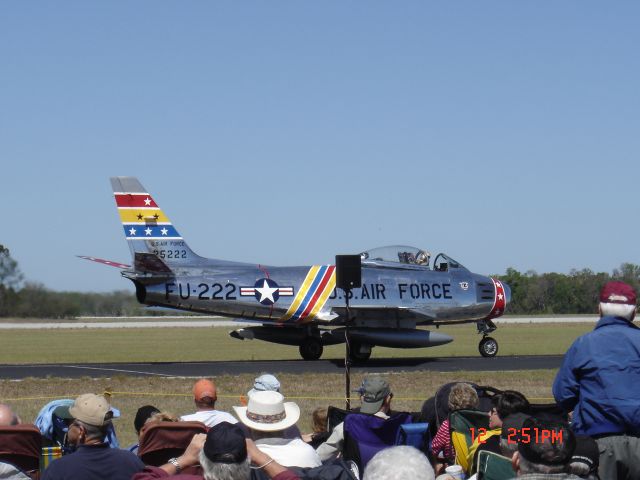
202	344
205	344
308	390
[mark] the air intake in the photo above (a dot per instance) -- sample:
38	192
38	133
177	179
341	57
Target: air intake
485	292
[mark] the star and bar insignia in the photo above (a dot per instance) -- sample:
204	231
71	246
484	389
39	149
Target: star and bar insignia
266	291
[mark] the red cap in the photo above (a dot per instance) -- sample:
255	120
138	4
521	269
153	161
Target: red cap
618	292
204	389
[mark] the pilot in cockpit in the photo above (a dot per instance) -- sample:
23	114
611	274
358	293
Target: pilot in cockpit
423	258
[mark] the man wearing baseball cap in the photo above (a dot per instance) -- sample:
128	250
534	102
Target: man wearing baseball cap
376	396
599	381
205	395
93	458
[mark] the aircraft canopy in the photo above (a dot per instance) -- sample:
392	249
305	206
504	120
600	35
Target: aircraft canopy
397	254
403	255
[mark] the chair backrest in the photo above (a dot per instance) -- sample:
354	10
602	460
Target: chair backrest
365	435
492	466
20	445
465	427
161	441
436	409
415	435
335	416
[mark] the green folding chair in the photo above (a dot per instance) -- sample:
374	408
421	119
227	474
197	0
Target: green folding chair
492	466
466	426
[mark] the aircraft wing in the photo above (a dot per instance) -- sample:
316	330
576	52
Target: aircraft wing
105	262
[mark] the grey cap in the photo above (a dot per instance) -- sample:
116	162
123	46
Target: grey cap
265	383
373	391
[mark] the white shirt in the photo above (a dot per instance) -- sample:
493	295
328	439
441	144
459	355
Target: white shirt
11	472
209	417
290	453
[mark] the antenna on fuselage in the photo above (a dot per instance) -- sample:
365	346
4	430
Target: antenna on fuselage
348	276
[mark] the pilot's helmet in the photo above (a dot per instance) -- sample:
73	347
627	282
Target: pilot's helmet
423	258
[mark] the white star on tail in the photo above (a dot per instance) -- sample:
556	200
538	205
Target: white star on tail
147	201
266	292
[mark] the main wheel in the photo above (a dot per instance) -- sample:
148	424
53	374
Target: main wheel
360	352
488	347
311	348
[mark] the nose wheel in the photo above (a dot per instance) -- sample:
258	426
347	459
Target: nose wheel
488	347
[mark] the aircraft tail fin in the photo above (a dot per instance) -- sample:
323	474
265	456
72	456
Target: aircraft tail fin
147	229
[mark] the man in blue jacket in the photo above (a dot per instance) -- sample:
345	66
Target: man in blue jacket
600	381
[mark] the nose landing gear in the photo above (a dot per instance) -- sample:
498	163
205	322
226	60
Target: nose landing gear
488	346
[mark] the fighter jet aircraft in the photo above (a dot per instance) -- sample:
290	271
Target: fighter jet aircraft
401	289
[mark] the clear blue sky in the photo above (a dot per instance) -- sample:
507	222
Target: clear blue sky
503	133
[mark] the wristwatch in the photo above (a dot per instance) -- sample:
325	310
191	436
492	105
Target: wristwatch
174	461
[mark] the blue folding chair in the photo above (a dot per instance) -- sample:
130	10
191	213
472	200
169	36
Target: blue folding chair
415	435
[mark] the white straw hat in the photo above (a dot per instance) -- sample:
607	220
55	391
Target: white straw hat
268	412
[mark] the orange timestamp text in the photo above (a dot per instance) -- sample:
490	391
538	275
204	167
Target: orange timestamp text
521	435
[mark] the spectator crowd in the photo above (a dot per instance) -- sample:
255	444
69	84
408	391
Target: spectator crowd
591	431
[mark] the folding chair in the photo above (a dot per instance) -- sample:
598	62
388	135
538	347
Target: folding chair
492	466
465	426
161	441
365	435
336	416
20	445
415	435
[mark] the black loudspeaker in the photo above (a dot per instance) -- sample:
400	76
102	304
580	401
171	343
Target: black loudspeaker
348	271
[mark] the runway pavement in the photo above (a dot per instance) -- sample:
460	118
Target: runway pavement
202	369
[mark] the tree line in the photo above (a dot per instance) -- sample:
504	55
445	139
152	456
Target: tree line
557	293
33	300
531	294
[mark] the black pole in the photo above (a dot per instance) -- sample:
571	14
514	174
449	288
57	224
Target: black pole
348	276
347	354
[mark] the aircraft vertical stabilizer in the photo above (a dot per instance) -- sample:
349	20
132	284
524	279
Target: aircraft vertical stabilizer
147	229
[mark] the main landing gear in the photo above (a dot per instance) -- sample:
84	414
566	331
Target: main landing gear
360	352
311	348
488	346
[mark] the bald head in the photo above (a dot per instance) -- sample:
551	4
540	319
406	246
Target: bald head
7	416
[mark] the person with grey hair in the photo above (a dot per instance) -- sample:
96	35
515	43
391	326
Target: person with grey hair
92	459
599	379
7	416
399	462
224	454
